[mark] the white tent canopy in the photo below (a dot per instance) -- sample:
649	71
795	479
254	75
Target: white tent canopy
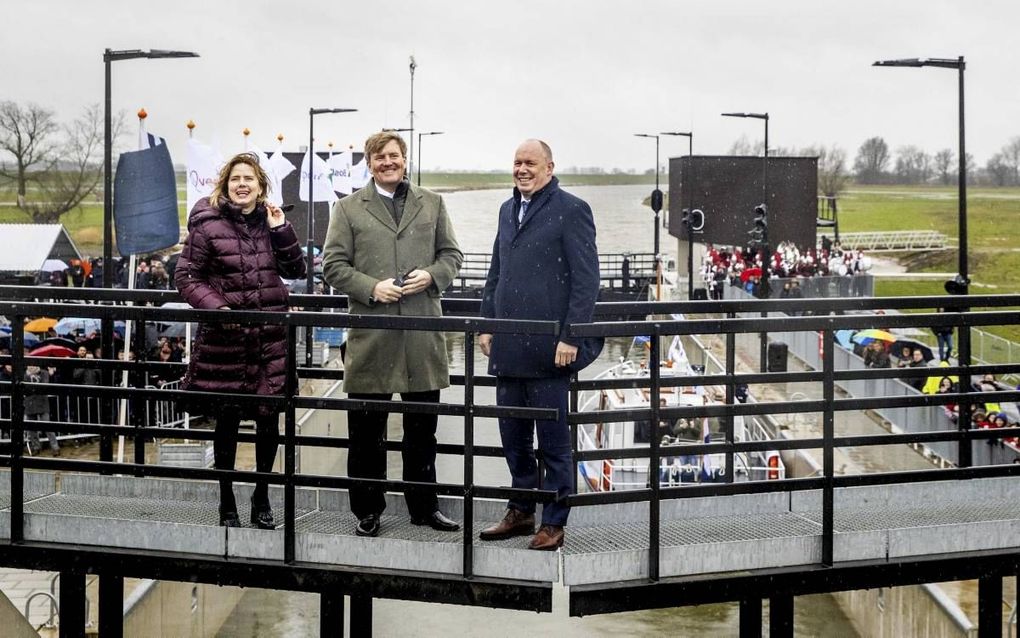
26	247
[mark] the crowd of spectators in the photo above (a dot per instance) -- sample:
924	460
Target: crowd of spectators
154	272
743	268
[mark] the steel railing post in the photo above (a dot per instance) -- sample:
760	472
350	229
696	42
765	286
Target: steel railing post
653	461
469	453
289	459
828	433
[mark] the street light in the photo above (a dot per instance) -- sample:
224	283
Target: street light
761	213
960	284
421	135
656	207
764	286
690	209
656	194
412	66
310	240
106	329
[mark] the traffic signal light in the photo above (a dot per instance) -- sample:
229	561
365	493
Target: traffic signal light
760	228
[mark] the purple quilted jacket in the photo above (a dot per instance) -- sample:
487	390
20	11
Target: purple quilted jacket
236	260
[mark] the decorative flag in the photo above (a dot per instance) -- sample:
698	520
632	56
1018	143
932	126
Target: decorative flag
145	199
360	174
276	168
204	163
323	191
340	165
678	355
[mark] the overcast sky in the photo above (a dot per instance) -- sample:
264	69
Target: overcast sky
583	75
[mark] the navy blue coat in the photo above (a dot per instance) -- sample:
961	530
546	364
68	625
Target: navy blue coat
546	269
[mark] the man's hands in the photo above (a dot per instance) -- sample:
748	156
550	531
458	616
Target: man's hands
385	291
565	354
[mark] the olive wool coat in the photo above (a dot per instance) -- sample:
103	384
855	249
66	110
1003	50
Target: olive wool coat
364	245
236	260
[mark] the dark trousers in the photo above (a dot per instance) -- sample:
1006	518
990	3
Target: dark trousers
366	457
553	440
267	436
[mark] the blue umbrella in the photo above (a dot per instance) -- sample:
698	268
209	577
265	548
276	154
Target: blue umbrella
5	340
71	325
843	338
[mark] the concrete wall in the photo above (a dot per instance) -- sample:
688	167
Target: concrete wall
892	612
14	624
186	610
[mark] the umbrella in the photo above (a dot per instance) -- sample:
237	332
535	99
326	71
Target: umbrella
51	351
30	340
51	265
864	337
57	341
42	324
71	325
843	338
748	273
926	352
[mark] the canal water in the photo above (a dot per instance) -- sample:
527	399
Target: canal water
623	225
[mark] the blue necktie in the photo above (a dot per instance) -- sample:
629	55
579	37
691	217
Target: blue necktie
523	211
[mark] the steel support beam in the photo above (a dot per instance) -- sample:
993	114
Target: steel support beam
990	607
72	603
331	614
361	616
111	606
781	617
750	618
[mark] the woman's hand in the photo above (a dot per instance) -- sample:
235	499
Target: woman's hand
275	215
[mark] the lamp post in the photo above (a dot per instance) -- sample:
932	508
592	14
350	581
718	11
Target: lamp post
310	240
656	194
106	330
689	218
656	207
960	285
421	135
412	66
763	287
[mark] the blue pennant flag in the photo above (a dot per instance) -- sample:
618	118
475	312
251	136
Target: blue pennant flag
145	200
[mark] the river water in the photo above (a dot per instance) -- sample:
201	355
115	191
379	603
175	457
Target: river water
623	225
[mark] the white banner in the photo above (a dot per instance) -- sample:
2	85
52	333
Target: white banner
360	173
204	163
340	165
322	189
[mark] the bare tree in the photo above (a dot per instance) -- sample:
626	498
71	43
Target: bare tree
998	170
26	134
62	163
872	160
913	165
1011	158
944	165
832	173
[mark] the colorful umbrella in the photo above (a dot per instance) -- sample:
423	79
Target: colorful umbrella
843	337
71	325
51	351
30	340
42	324
864	337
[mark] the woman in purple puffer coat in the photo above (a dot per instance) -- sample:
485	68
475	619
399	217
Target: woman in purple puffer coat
239	246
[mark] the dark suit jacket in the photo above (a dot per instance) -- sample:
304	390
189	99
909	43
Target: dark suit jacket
548	268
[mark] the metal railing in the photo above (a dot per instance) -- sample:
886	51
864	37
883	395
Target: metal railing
825	317
892	240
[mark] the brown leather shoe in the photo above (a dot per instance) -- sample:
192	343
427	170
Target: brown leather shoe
548	538
514	523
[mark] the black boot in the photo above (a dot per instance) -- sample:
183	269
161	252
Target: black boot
262	513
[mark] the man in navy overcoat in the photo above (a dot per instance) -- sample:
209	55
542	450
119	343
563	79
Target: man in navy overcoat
544	266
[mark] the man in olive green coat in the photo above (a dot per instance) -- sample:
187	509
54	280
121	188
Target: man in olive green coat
391	249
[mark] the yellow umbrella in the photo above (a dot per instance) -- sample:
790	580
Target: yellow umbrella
40	325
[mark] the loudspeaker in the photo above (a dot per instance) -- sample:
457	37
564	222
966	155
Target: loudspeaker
700	294
777	352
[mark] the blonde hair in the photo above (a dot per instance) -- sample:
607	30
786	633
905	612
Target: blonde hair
249	159
378	141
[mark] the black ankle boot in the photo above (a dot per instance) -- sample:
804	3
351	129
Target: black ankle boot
229	519
262	515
